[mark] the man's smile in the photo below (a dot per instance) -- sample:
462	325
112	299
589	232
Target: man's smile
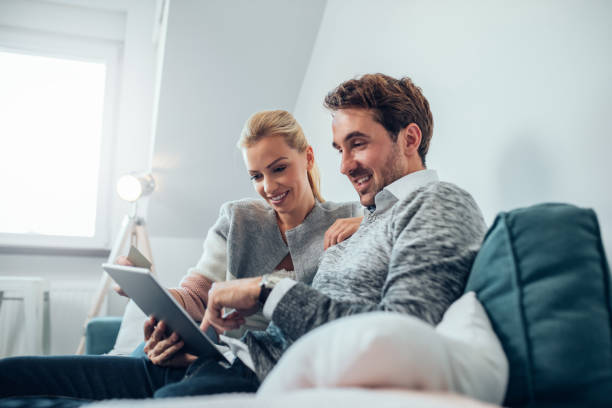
361	180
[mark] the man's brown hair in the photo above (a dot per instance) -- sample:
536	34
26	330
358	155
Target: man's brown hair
395	103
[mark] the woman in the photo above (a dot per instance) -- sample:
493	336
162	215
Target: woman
281	165
285	232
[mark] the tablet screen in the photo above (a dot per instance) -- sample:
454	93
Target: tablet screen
156	301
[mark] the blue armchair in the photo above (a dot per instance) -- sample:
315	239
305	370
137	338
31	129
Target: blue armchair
101	333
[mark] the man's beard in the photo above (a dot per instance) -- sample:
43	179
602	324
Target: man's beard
394	168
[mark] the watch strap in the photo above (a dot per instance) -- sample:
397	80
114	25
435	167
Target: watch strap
264	289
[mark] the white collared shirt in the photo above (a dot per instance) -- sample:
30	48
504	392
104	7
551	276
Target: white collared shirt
403	186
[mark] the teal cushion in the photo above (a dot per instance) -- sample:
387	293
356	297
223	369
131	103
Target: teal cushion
543	278
101	333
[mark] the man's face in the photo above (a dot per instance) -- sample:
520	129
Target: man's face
370	159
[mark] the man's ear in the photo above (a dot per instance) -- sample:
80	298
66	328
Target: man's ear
410	139
309	158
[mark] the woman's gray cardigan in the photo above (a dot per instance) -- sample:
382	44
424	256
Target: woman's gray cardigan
246	242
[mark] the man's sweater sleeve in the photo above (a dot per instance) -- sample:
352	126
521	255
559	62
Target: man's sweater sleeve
434	240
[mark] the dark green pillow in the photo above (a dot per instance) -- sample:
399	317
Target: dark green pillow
543	278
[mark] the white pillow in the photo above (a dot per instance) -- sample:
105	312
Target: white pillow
479	365
384	349
131	332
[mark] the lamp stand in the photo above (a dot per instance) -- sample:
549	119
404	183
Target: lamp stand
134	229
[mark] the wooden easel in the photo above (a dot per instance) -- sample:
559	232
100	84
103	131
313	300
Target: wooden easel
134	228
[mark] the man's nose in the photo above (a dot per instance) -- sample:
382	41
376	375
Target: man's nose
347	164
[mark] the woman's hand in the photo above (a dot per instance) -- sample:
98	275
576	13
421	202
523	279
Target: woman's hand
164	350
122	260
340	230
240	294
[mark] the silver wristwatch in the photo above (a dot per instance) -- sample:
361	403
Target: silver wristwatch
268	281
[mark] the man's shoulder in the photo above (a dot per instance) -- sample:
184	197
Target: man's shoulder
437	192
438	200
441	210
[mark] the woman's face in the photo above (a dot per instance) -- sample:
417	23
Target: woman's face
279	174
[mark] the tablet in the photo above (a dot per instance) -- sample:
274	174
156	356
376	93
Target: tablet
155	300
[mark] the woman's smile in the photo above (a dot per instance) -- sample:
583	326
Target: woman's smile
278	199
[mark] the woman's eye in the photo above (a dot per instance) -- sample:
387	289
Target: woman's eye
255	177
279	169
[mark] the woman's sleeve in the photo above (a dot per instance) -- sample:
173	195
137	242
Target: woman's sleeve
357	209
193	289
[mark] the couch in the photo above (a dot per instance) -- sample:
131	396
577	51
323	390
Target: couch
543	279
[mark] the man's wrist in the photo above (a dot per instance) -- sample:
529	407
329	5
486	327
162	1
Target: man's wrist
276	296
266	284
264	292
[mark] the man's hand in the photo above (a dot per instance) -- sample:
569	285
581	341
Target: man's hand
240	294
340	230
164	350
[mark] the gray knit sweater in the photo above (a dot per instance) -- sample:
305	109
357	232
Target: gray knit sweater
411	255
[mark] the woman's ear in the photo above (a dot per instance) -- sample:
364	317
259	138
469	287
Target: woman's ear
309	158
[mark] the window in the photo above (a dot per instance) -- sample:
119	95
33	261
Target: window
50	140
57	106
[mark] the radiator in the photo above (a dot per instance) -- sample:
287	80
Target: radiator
69	305
23	316
38	318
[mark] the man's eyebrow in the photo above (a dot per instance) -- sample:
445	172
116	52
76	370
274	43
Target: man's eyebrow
350	136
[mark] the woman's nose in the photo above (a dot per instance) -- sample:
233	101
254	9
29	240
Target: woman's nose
269	185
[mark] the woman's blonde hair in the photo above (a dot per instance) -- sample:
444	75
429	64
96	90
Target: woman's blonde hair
280	122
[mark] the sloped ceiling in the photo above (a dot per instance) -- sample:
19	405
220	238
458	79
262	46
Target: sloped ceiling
223	60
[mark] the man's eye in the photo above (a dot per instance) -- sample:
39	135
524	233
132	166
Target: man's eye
339	151
358	144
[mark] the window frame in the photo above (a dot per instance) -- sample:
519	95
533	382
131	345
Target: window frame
81	48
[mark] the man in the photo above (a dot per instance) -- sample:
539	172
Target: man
411	254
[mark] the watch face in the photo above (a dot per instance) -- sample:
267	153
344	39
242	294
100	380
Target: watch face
271	280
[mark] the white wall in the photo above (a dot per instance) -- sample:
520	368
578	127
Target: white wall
520	92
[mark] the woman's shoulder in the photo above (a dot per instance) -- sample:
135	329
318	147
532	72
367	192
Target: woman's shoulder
342	209
245	207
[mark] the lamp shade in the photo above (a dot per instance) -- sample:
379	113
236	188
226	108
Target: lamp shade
133	186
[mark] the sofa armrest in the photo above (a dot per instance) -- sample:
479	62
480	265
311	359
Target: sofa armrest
101	334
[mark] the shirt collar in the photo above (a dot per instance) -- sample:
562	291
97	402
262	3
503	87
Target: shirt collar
403	186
